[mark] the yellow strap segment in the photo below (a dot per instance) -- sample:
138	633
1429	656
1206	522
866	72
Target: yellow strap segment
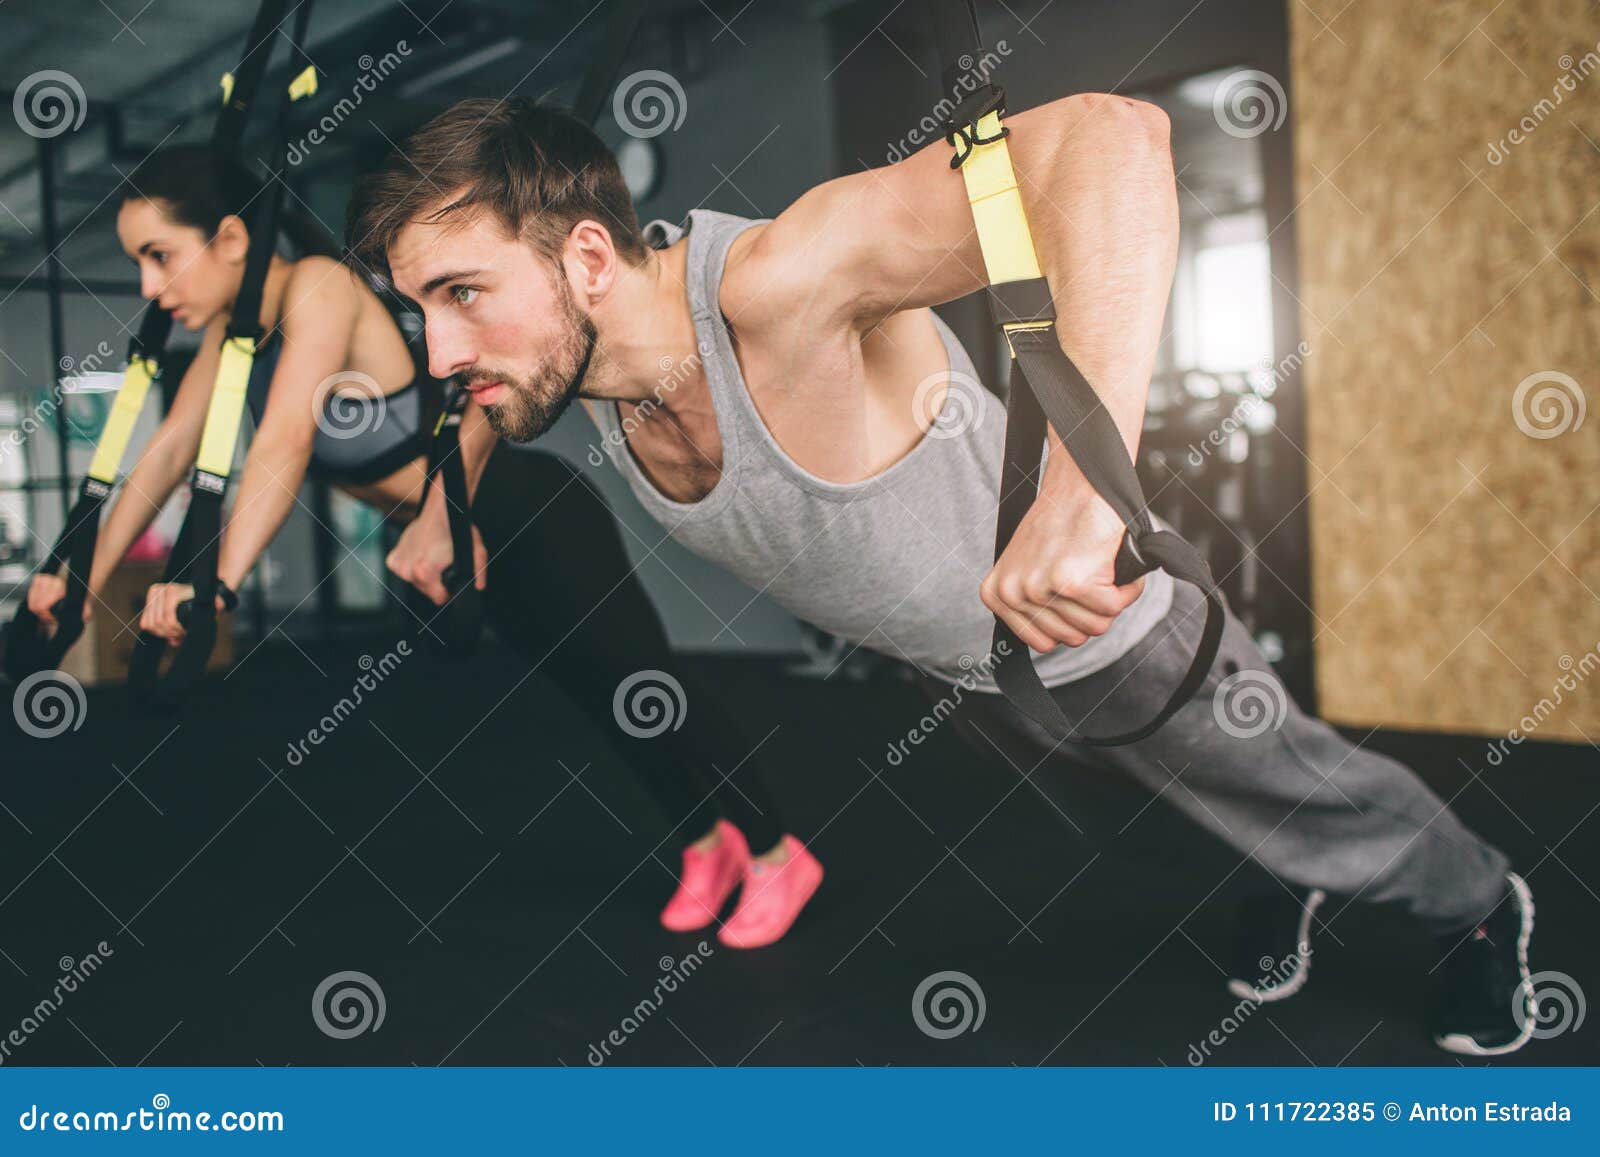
125	410
305	84
997	210
223	415
227	407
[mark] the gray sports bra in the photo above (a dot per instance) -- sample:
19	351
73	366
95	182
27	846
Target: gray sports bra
361	439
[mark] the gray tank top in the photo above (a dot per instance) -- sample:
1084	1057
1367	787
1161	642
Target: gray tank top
892	563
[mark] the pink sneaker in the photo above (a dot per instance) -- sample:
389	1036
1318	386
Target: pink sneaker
772	898
709	877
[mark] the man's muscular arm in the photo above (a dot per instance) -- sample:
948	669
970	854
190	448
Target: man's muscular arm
1097	184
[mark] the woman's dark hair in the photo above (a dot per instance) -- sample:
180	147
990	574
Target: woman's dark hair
196	187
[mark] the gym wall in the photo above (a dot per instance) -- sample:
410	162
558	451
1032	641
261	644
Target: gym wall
1442	265
733	155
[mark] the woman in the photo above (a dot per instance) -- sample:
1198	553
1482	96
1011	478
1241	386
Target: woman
327	329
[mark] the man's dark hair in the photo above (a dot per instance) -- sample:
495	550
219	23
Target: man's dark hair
533	168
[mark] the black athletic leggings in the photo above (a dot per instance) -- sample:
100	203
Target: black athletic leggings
562	594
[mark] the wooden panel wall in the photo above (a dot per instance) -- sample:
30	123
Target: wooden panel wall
1449	257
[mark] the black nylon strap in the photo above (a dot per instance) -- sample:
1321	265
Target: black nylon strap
1046	385
444	464
955	31
194	557
453	630
1084	424
150	341
1022	301
195	564
229	129
246	318
624	21
28	649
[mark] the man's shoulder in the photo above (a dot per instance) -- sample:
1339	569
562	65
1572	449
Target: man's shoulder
751	280
772	281
800	268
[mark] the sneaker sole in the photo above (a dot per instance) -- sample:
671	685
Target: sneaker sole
1465	1045
1244	990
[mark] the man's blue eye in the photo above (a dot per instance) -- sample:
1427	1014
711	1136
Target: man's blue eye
464	294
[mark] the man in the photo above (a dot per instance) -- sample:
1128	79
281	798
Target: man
798	449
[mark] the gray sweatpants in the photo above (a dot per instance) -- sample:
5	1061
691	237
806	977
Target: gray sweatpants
1272	783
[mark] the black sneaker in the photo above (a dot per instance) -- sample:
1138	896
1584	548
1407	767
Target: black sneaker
1483	1002
1272	944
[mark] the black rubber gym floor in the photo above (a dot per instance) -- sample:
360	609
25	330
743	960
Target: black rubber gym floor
496	873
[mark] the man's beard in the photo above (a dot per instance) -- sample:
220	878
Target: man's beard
533	405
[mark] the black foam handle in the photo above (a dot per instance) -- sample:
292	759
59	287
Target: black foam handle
165	692
151	689
450	631
31	648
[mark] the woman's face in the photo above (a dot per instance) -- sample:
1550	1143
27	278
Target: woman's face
179	268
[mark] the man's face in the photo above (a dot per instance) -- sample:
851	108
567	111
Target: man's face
500	316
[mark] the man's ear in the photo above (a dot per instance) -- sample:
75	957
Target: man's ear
590	259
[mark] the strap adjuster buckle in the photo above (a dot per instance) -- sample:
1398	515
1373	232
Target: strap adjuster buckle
961	126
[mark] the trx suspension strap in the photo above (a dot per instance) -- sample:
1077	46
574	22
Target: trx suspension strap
602	75
1046	385
28	649
452	631
194	557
